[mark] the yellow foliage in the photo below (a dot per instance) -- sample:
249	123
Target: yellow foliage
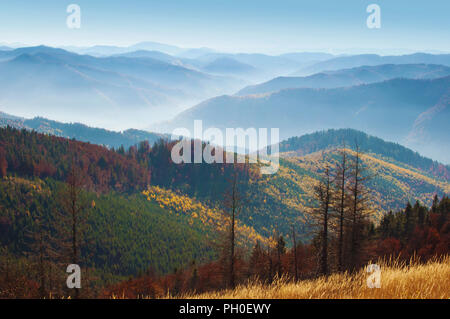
195	210
398	281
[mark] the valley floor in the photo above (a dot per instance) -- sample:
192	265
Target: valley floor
398	281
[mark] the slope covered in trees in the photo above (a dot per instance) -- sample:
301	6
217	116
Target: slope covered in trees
272	202
125	232
125	235
80	132
391	152
275	201
147	214
409	237
32	154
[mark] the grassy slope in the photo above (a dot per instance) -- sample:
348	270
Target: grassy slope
398	281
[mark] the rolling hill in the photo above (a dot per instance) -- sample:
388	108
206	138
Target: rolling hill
122	228
389	152
122	203
277	201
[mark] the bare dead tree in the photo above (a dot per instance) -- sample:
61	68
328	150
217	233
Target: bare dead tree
321	217
295	254
41	251
72	219
340	203
280	248
233	206
358	206
270	264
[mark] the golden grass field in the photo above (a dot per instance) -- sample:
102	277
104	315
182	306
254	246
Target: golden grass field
398	281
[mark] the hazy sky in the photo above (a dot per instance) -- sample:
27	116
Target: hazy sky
273	26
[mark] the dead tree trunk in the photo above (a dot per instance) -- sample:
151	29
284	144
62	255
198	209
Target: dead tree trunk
342	180
321	213
295	254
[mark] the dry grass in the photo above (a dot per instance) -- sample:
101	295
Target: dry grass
398	281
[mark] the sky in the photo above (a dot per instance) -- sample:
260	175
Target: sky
275	26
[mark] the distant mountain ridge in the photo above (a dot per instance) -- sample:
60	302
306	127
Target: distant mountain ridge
117	91
81	132
352	61
272	65
222	65
389	110
350	77
105	50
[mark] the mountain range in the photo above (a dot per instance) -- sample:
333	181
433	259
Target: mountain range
398	98
350	77
346	62
114	92
130	87
411	112
106	50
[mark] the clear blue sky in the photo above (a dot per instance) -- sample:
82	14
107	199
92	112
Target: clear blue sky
273	26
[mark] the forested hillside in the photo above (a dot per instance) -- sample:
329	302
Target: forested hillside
272	202
81	132
276	201
32	154
391	152
144	214
124	233
403	241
